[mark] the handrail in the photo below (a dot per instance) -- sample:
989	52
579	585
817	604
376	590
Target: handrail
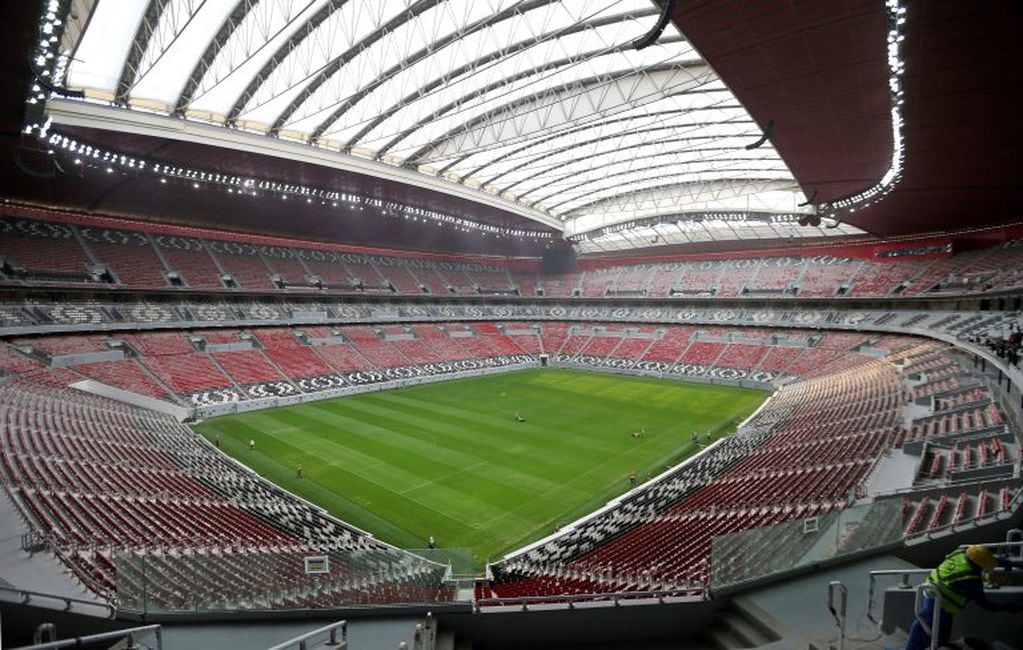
603	596
27	595
1015	537
904	584
300	641
130	634
1013	540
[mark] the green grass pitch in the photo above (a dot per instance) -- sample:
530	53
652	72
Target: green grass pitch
450	460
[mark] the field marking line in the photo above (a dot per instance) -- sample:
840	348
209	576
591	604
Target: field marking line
446	476
292	427
552	490
397	437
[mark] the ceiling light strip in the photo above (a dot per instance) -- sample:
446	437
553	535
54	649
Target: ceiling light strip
896	68
86	155
48	65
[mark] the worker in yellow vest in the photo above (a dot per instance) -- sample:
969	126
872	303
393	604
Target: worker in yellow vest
959	580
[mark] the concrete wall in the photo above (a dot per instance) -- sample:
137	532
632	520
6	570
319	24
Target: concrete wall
631	624
97	388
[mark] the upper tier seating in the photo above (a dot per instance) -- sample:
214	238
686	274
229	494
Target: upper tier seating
825	280
286	263
128	254
191	260
244	263
51	252
42	252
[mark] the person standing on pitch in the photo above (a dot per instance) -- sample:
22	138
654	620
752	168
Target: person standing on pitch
959	580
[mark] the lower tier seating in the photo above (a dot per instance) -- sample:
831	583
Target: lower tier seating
147	515
103	482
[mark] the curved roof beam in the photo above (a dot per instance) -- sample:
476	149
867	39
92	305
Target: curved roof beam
412	59
447	77
554	189
612	136
461	100
546	138
675	194
264	31
689	171
202	66
691	145
332	66
147	27
568	132
585	85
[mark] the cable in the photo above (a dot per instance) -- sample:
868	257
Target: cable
763	138
651	37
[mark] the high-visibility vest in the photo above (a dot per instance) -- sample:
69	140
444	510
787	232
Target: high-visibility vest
953	569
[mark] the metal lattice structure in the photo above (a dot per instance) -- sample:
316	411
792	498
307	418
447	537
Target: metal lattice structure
543	103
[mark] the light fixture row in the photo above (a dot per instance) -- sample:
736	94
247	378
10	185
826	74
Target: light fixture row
690	217
896	68
86	155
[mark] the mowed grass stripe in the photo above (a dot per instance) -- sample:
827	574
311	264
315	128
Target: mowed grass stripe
463	432
331	467
448	459
435	471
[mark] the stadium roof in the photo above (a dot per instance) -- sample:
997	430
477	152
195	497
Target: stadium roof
544	103
538	115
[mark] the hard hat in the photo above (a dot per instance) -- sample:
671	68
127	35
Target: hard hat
982	557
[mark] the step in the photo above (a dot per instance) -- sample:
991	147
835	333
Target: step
721	638
743	630
767	625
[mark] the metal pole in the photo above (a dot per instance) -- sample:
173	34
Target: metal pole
836	586
1015	538
116	635
933	628
300	641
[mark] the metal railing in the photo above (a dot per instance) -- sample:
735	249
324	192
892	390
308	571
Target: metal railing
611	598
1013	544
903	584
25	596
130	635
331	631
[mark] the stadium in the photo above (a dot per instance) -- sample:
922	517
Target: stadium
458	325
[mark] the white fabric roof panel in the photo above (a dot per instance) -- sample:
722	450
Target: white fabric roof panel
541	102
